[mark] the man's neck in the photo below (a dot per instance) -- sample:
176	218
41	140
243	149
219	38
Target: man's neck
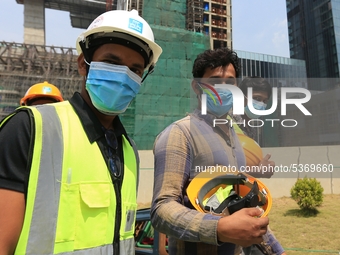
105	120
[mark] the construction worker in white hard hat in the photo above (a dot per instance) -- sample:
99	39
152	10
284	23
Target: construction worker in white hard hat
41	93
69	171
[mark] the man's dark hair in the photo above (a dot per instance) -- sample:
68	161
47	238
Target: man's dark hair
215	58
257	83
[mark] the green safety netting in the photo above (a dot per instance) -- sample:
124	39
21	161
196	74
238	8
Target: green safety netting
165	95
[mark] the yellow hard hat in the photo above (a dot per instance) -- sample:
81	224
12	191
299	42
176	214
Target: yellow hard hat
42	90
247	192
252	150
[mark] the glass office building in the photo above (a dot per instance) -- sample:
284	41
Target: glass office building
320	128
314	36
274	68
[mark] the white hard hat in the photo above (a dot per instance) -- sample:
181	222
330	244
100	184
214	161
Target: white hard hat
119	26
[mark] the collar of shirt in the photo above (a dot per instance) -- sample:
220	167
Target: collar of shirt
90	122
209	118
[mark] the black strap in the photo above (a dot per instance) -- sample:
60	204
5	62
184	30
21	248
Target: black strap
223	179
262	249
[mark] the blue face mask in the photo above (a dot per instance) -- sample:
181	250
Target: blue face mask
111	87
258	106
214	106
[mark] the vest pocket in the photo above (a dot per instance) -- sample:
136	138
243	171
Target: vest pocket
93	226
83	215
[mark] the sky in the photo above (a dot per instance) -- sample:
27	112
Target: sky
258	26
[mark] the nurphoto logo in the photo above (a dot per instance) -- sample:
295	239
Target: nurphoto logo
238	105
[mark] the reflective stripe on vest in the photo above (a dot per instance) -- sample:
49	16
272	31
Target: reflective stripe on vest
43	190
63	202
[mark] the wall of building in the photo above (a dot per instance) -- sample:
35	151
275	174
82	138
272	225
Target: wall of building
280	183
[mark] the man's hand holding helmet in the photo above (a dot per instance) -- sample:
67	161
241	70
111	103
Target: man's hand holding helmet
244	224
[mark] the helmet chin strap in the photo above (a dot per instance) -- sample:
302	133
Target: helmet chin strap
86	62
151	69
87	66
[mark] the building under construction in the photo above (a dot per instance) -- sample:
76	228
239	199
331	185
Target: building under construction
164	96
213	18
183	28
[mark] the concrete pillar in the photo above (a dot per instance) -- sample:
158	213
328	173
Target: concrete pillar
34	22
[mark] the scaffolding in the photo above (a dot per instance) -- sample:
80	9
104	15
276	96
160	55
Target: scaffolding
129	5
137	5
22	65
211	17
195	15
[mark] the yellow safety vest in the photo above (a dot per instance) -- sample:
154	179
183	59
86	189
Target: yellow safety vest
237	129
71	201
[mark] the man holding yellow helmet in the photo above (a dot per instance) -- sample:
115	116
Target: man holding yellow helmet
192	145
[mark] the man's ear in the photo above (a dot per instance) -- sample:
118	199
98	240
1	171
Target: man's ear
81	65
197	89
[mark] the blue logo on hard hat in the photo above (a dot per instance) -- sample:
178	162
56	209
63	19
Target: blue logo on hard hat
136	25
47	90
